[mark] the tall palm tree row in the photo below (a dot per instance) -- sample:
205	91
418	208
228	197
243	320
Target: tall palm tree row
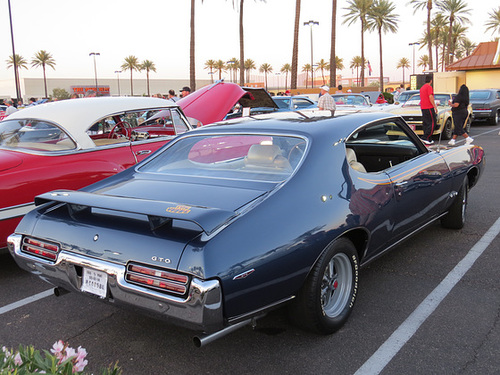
306	68
286	68
356	63
266	69
210	65
43	58
322	65
381	17
17	62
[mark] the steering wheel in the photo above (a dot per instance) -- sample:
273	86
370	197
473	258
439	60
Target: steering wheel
121	129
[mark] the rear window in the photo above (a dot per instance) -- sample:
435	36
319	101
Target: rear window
481	95
247	157
34	135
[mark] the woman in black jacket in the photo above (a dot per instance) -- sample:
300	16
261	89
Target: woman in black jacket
460	115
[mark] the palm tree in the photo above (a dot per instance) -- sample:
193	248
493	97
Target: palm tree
148	66
439	26
457	35
295	51
466	46
43	58
333	57
18	62
322	65
233	66
453	9
493	22
423	62
381	18
425	4
192	73
357	62
339	62
210	65
403	63
286	68
249	66
266	69
220	66
358	10
131	63
306	68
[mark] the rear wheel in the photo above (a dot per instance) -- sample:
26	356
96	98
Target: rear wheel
326	299
495	119
448	129
455	218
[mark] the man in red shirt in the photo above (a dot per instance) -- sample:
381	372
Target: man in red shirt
429	109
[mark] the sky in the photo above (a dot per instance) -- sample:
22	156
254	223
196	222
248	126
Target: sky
158	30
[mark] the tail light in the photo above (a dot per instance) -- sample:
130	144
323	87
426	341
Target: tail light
157	279
39	248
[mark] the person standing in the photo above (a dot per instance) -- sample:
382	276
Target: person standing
326	101
460	115
171	96
185	91
429	110
10	108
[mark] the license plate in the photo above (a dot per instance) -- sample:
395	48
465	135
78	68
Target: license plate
95	282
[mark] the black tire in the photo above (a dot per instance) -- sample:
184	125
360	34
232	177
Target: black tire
495	119
455	218
325	301
447	129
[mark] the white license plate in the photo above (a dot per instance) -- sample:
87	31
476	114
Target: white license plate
95	282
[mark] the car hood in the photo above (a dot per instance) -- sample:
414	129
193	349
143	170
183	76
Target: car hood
213	102
136	220
9	160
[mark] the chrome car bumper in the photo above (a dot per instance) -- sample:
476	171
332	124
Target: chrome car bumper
201	310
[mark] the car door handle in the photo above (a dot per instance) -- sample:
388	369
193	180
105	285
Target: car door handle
143	152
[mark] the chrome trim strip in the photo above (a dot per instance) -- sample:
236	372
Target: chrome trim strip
16	211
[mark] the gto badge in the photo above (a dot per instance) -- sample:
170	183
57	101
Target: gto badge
160	259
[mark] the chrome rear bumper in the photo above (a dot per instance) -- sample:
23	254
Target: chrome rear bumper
201	310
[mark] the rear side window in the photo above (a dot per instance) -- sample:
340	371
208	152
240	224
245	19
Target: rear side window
34	135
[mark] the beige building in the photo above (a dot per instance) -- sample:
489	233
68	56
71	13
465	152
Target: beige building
480	70
34	87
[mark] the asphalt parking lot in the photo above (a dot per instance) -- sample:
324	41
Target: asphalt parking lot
431	306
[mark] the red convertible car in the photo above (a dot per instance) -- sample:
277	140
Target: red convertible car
73	143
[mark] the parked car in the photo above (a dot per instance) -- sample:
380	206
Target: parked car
412	114
229	221
294	103
227	100
404	96
73	143
486	105
3	108
350	102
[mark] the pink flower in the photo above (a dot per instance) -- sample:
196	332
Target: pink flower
57	349
17	359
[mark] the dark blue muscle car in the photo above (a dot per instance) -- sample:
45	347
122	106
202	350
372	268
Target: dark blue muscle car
229	221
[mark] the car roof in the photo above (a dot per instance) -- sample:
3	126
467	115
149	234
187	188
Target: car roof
75	116
312	123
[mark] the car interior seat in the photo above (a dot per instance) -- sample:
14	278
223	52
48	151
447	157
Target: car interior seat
266	156
353	161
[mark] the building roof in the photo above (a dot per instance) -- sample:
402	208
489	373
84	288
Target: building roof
485	56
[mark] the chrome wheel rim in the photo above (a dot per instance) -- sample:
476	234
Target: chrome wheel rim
336	285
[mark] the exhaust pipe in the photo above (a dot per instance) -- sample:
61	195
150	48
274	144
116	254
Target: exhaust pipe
203	340
58	292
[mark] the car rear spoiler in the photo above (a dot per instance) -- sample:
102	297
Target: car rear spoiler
159	213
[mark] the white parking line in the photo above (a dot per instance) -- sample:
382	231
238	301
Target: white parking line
26	301
377	362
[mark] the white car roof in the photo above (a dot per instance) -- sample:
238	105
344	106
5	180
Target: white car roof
75	116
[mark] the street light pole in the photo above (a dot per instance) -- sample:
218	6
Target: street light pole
16	75
95	70
118	77
311	23
413	45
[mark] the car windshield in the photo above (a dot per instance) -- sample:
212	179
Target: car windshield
481	95
282	103
243	157
34	135
440	99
